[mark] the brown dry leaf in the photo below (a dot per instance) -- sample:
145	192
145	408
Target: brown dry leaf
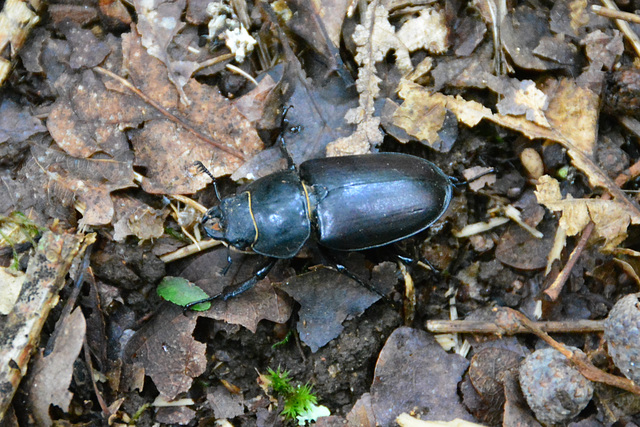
50	376
414	374
158	23
89	118
16	126
603	48
327	298
320	25
168	351
135	218
225	404
611	218
88	181
168	150
262	301
573	113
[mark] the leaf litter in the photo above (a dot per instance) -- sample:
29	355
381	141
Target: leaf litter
126	118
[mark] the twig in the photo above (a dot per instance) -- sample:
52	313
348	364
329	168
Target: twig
553	291
509	319
616	14
167	114
191	249
624	27
490	327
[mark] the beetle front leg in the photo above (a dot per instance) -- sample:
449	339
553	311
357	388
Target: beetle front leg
238	289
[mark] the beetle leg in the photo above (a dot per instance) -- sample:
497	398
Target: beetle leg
412	262
238	289
248	284
331	261
229	262
283	147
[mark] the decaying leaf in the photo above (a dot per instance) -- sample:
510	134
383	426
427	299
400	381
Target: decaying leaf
374	38
158	24
86	180
168	352
414	374
134	217
50	376
527	99
611	218
168	150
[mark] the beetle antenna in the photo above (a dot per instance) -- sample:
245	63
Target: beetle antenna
202	168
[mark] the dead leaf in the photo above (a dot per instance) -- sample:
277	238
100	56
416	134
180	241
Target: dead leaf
178	415
168	351
519	249
225	404
320	24
158	23
262	301
327	298
611	218
524	98
414	374
86	180
89	118
50	376
168	150
86	49
133	217
16	126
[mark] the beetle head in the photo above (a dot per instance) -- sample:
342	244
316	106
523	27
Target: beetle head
231	222
214	223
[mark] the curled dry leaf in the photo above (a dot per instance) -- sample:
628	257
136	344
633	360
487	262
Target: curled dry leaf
611	218
134	217
374	38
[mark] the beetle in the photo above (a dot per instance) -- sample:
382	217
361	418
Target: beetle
348	203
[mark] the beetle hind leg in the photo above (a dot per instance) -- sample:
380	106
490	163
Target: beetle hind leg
331	261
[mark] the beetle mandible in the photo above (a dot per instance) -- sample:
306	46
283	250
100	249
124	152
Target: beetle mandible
348	203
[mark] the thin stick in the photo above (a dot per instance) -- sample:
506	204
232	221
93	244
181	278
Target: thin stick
553	291
490	327
191	249
168	115
616	14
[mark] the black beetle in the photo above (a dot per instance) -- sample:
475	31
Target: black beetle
346	203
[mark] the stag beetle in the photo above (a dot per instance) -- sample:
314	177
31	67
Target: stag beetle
346	203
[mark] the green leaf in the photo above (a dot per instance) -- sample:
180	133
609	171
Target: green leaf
182	292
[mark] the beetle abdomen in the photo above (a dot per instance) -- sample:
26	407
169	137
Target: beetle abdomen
372	200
